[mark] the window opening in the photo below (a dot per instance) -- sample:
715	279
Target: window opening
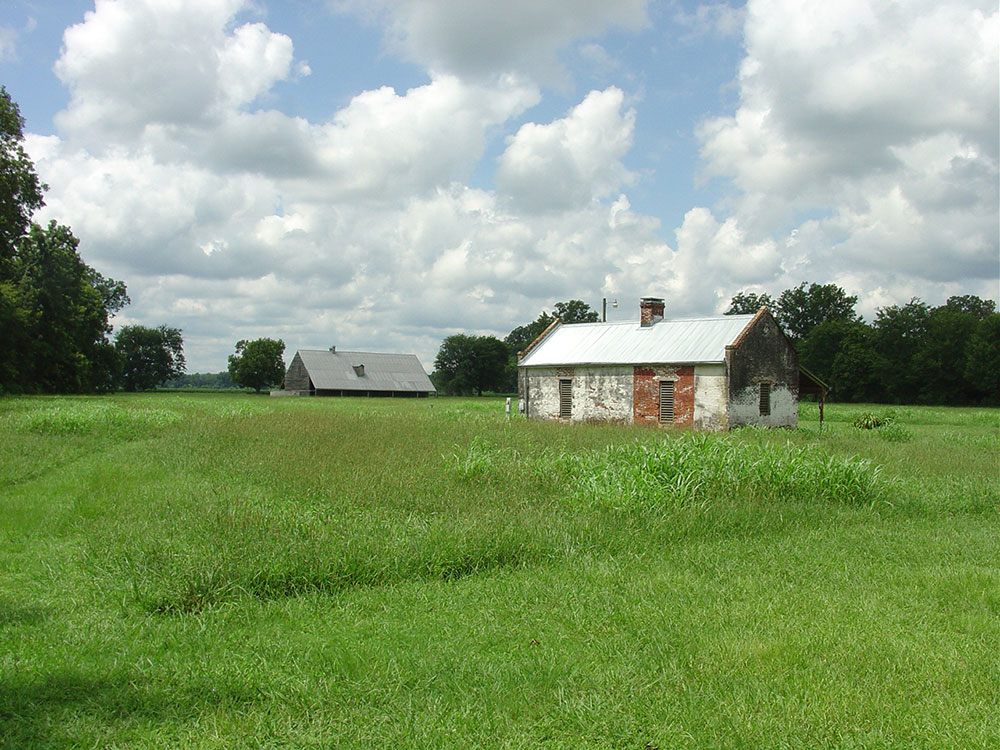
667	401
765	399
566	398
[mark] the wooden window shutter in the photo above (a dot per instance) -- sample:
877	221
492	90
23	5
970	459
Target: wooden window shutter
765	399
566	398
667	401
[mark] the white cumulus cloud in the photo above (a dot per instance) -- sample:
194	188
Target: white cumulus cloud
476	38
870	126
571	161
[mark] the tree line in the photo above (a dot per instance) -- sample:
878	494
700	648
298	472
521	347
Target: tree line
909	354
912	353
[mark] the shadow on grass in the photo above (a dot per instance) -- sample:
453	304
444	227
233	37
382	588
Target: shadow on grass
71	709
195	592
12	614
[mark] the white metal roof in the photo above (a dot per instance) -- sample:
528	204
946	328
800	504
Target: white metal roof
694	340
382	372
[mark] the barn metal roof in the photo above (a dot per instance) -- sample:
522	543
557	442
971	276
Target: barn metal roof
693	340
382	372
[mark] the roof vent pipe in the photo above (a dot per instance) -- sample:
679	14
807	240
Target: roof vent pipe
333	350
650	310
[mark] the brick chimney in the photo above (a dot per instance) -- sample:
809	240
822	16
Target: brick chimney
650	310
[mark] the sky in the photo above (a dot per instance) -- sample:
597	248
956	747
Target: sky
380	174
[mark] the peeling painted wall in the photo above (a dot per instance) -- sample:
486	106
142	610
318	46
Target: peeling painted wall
711	398
600	394
744	409
629	394
763	355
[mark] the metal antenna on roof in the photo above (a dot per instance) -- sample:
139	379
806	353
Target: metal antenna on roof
604	308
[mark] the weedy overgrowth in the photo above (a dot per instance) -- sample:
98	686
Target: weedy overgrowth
691	468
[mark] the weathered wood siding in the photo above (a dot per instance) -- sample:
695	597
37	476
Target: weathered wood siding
297	377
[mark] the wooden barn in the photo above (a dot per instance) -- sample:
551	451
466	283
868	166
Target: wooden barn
327	372
708	373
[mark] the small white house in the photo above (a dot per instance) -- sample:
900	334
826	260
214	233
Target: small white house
708	373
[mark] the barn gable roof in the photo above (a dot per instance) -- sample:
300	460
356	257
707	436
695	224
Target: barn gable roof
340	371
686	341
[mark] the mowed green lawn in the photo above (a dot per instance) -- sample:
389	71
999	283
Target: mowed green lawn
237	571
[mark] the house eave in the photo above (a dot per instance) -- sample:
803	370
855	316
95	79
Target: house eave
663	363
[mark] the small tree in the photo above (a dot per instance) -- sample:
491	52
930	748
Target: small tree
149	356
257	364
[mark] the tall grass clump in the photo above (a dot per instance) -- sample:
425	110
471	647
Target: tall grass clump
884	425
870	420
686	470
82	418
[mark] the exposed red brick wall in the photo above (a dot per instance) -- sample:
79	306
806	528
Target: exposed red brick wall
650	309
646	394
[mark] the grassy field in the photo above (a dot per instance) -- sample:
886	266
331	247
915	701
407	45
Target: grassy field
233	571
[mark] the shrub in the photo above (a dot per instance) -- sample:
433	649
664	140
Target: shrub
869	420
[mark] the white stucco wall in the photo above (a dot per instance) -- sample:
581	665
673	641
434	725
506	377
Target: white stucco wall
599	393
745	408
711	397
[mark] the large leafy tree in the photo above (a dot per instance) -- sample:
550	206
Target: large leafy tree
519	339
54	308
470	364
801	309
149	356
575	311
982	359
975	306
899	329
257	364
856	368
818	351
55	311
941	357
571	311
20	189
747	303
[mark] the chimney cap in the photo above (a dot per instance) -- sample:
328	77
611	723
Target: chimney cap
652	300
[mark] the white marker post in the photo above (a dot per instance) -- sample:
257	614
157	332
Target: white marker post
507	407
